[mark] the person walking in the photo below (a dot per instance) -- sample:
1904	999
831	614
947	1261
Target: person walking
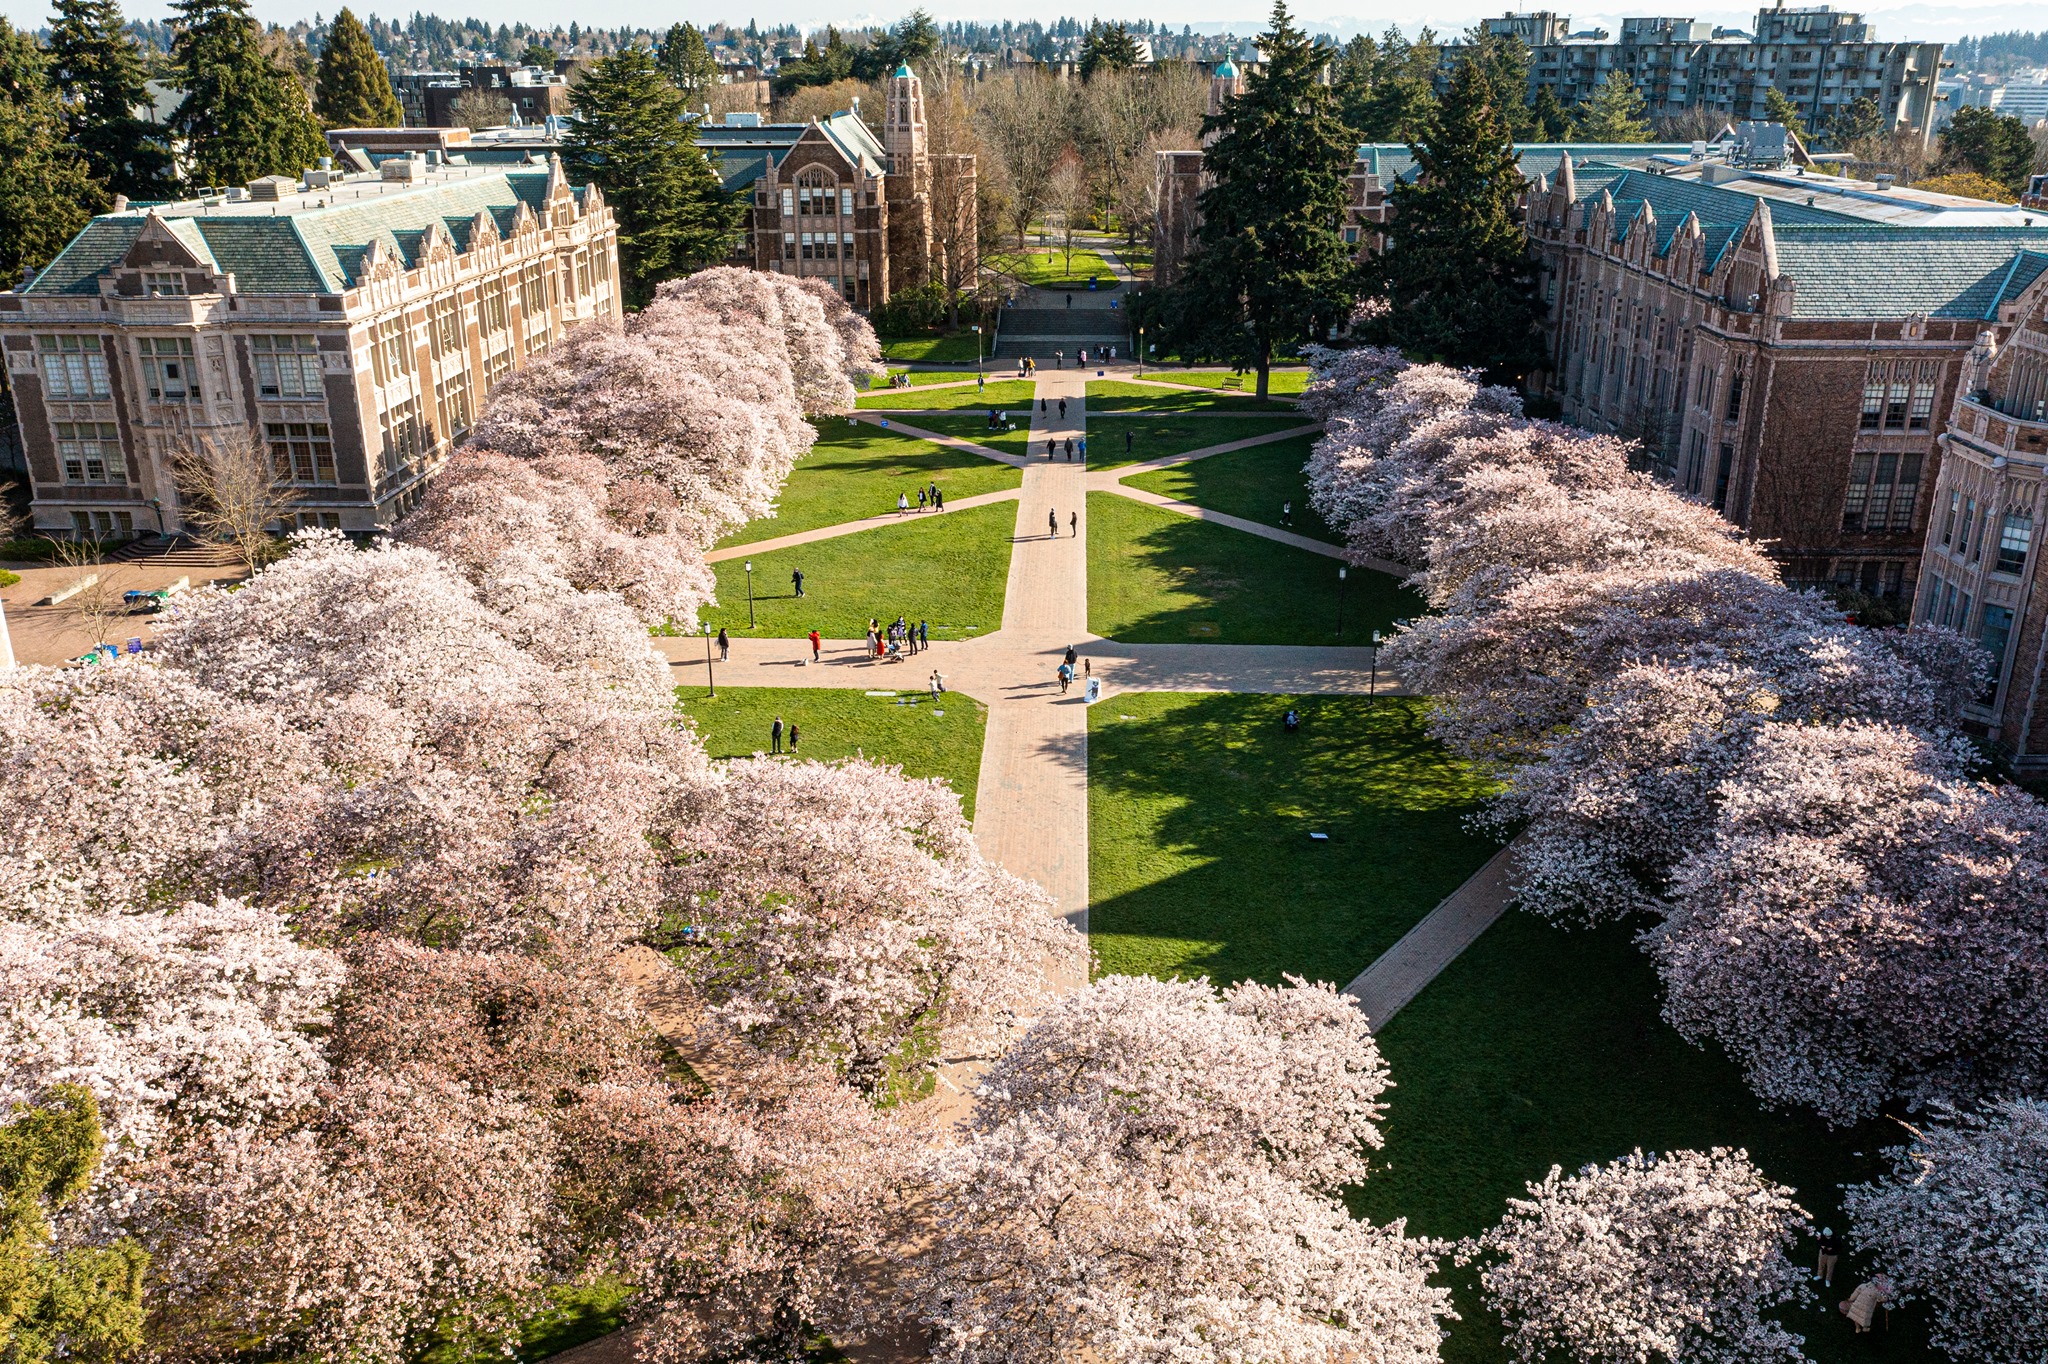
1066	676
1052	448
1069	660
938	499
920	501
938	684
796	580
1063	409
1070	300
1287	513
980	382
1084	449
933	488
1070	447
775	736
924	635
724	645
1128	434
1074	524
1830	1255
1082	356
816	645
793	737
1041	407
1052	523
902	503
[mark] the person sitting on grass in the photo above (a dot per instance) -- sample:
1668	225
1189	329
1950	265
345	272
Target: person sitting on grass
1291	721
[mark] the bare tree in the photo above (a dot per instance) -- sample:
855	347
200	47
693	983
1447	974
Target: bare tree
480	109
1068	197
955	153
232	493
98	604
1123	117
1696	123
808	102
1026	120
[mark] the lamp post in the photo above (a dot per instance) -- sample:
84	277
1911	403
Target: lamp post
1340	600
1372	681
977	350
750	594
1141	352
709	677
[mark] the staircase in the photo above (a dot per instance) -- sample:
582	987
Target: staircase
1041	322
177	552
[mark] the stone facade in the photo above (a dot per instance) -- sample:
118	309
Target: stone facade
353	322
1783	359
1821	60
1982	572
1178	181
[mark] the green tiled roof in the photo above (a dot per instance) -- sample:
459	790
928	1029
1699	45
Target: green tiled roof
312	250
1873	271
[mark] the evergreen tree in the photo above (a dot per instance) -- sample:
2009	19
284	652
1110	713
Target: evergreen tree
47	191
81	1303
1779	109
1995	146
1353	77
1504	59
538	54
1270	269
1858	120
1552	123
1614	112
1404	95
99	74
687	61
354	88
1108	47
242	117
632	140
1456	278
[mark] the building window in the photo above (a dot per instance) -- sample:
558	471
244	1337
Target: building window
1873	397
1922	410
1948	524
1722	475
74	368
390	349
2015	537
490	308
789	203
447	325
90	452
167	369
789	246
1932	599
1897	396
1993	632
533	294
846	203
1882	491
166	284
300	452
287	366
452	401
497	365
1735	397
404	437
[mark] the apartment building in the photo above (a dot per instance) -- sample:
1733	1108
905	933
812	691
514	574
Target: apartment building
354	322
1784	344
1820	59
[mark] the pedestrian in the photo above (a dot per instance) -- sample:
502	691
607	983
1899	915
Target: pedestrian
1052	521
724	645
796	579
793	737
1287	513
1088	668
1066	676
934	489
1128	434
1830	1253
1070	656
816	644
1074	524
920	499
1082	355
1041	407
1059	359
1052	448
1070	447
1063	409
924	635
938	499
902	503
1070	300
1084	449
938	684
980	381
1861	1306
775	736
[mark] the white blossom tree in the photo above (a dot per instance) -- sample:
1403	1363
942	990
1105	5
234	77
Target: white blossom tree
1962	1224
1670	1256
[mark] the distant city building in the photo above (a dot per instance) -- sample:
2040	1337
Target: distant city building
2024	97
532	94
1784	344
1821	60
353	322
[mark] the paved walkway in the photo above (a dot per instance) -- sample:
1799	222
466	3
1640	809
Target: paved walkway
1387	986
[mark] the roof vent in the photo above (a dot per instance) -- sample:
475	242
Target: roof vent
271	188
236	194
1885	182
404	170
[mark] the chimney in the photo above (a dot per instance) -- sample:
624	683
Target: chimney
1885	182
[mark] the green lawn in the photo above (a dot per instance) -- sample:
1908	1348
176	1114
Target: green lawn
949	570
1284	382
1199	814
954	348
919	378
974	426
1539	1046
573	1314
1250	483
1158	577
926	740
1117	395
1157	435
856	470
1009	393
1053	269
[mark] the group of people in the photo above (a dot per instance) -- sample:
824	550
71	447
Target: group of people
1052	525
929	498
775	733
892	641
1066	670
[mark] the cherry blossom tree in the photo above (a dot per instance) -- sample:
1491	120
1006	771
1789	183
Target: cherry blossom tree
1145	1180
1865	924
1962	1223
1663	1256
842	914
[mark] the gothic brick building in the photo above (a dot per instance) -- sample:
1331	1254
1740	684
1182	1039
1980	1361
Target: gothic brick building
353	322
1783	344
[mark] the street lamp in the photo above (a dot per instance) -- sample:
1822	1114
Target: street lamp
1372	681
709	676
1141	352
977	350
750	594
1340	600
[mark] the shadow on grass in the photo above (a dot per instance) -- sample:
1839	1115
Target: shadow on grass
1201	809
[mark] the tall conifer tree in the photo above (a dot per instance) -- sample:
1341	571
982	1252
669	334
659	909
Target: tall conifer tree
47	191
1270	269
687	61
242	116
632	140
1457	276
353	87
1614	112
98	71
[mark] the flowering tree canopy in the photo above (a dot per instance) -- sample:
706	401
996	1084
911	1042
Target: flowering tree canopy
1962	1223
1672	1256
1145	1180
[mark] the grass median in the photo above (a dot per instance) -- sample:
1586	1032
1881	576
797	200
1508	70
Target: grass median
856	470
1120	395
1253	483
1119	438
1006	393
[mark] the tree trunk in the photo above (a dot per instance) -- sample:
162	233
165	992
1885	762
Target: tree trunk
1265	365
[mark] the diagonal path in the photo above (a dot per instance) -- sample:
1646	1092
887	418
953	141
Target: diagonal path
833	532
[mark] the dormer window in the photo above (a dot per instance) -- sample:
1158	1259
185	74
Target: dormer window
163	284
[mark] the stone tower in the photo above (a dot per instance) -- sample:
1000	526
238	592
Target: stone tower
908	187
1224	84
